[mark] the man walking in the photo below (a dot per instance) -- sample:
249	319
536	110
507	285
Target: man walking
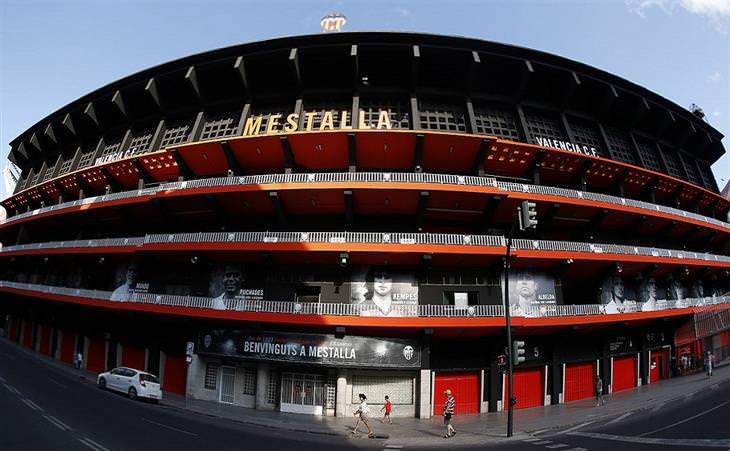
449	407
599	392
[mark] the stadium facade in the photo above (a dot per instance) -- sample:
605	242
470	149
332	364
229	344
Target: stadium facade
288	223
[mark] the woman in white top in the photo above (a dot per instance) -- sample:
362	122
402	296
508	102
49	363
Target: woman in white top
362	415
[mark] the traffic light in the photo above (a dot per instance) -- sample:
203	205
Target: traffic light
528	215
518	352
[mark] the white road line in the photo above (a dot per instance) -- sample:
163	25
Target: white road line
92	444
57	383
688	442
2	379
169	427
542	442
557	445
56	422
685	420
531	439
575	449
658	408
575	428
32	405
12	389
616	420
714	386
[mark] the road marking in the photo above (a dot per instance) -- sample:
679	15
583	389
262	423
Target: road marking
696	443
169	427
658	408
616	420
387	447
57	383
12	389
540	431
575	428
531	439
685	420
2	379
556	446
714	386
56	422
92	444
32	405
542	442
688	396
575	449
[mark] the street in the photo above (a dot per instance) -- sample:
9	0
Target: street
47	407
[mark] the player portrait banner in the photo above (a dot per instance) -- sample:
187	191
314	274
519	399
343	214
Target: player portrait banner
531	292
230	283
352	351
378	291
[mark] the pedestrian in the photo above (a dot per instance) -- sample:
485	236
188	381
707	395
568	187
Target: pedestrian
709	363
449	406
75	360
79	360
362	415
386	408
599	392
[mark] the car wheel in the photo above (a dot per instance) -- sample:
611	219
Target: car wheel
102	383
132	393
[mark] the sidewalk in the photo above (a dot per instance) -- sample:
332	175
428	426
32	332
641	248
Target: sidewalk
472	429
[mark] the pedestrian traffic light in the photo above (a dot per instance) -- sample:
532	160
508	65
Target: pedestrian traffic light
518	352
528	215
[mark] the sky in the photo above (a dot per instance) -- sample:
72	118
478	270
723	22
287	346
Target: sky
55	51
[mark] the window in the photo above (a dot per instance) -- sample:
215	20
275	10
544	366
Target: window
689	165
320	107
49	172
439	116
249	381
672	163
66	166
140	144
218	127
110	149
273	388
176	135
399	112
307	293
586	134
706	175
619	145
461	299
495	122
211	376
86	159
649	155
398	388
543	126
149	378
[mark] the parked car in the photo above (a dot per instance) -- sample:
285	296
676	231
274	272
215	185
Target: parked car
135	383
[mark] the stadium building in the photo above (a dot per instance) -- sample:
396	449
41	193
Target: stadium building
285	224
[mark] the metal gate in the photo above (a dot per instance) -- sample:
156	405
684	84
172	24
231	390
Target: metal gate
302	393
228	384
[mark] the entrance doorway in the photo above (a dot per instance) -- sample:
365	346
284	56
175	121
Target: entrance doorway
302	393
228	384
658	365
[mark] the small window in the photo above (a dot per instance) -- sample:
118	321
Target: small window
249	381
461	299
116	371
211	376
307	293
149	378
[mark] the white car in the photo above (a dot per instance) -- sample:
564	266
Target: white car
135	383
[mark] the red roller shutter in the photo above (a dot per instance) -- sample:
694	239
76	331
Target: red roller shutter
68	343
464	387
28	334
95	359
624	373
13	333
133	357
579	381
45	345
176	374
529	388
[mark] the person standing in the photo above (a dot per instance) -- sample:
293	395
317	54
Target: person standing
79	360
362	415
449	406
599	392
709	363
387	408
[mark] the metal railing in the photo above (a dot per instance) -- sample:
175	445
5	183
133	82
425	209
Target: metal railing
340	309
372	238
374	177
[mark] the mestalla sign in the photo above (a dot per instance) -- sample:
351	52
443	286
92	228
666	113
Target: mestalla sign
353	351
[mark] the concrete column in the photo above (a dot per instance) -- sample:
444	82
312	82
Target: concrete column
424	405
341	394
263	374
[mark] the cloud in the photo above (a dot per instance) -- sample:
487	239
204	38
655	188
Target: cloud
403	12
716	11
715	76
716	113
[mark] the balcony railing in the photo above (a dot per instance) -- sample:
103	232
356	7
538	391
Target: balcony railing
372	238
375	177
339	309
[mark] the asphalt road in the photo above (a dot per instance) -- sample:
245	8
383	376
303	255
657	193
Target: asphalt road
45	407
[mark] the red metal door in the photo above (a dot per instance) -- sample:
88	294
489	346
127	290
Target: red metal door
45	344
529	388
624	373
579	381
13	332
68	346
176	374
95	359
133	357
27	334
658	368
464	387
